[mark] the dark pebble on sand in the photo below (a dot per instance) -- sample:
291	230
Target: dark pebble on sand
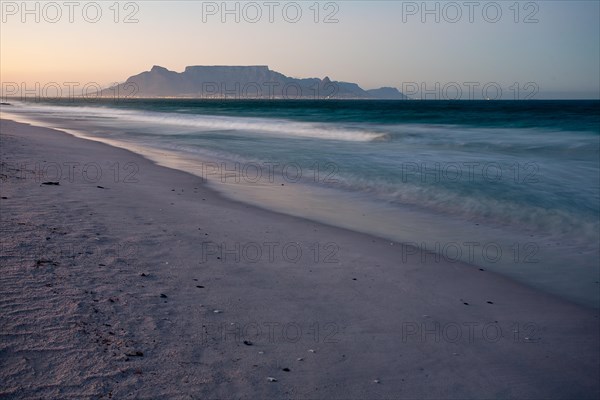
353	279
248	343
39	263
200	287
143	274
51	183
4	197
490	302
466	304
286	369
481	269
100	187
163	296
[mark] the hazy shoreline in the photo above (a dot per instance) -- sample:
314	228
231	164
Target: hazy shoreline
111	285
519	226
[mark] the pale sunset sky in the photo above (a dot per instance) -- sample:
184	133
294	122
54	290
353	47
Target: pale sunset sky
554	44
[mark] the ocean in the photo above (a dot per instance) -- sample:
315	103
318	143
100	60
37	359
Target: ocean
508	186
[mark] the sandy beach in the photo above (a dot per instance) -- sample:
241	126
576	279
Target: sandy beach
125	279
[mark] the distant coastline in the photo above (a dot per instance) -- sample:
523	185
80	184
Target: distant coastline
240	82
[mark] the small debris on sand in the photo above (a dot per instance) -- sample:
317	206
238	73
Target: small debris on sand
39	263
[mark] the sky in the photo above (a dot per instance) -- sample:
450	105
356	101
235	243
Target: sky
530	49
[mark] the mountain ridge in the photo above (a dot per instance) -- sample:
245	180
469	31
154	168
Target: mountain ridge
242	82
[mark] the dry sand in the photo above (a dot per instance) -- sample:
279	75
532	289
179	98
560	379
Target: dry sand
108	292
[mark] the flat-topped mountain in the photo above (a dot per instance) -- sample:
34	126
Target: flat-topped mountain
241	82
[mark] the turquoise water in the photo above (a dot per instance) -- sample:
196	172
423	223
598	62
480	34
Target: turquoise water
522	175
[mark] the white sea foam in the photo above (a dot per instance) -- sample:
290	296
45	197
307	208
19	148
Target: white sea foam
211	123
